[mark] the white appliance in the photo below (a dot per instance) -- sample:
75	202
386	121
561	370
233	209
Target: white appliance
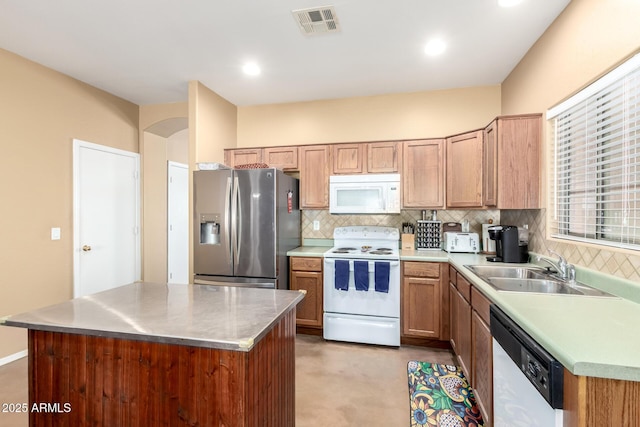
461	242
527	380
364	194
369	316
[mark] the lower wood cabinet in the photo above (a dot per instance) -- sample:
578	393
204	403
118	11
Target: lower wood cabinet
471	339
421	300
482	355
306	274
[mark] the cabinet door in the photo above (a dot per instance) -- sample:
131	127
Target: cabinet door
309	311
453	317
464	170
490	165
314	177
347	158
234	158
519	162
285	158
482	366
463	343
423	167
383	157
421	307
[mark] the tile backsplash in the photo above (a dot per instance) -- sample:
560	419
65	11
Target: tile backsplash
328	222
606	261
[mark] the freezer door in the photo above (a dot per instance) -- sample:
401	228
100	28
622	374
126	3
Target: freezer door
212	222
254	241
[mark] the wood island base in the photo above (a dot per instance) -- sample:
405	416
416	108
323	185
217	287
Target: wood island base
86	380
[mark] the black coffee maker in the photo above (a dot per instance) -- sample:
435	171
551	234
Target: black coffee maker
508	245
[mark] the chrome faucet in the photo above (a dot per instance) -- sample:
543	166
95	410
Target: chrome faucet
563	268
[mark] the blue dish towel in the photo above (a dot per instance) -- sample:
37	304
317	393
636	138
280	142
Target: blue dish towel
382	277
341	275
361	275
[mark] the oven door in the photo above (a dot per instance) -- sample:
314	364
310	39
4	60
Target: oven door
368	303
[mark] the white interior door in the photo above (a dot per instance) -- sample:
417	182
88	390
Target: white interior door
177	223
106	217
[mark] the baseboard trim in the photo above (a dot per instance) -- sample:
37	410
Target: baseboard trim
13	357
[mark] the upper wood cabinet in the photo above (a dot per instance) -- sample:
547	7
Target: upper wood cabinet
347	159
383	157
285	158
511	163
464	170
314	176
423	173
233	158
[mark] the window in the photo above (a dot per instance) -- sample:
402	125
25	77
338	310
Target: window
595	169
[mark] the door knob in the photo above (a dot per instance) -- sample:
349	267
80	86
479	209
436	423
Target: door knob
86	248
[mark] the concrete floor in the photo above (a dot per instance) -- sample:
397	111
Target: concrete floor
337	384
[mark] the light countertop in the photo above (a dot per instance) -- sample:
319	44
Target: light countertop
591	336
223	317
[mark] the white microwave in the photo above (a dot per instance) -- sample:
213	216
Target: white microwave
364	194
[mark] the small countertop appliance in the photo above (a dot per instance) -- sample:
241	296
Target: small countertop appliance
461	242
509	248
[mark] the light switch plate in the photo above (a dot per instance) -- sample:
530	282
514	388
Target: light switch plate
316	225
55	233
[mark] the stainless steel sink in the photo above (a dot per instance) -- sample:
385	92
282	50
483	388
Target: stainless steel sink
531	279
510	272
541	286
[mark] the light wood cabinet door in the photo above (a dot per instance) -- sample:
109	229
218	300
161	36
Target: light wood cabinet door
285	158
233	158
464	170
453	318
482	366
383	157
347	158
306	274
518	165
490	165
309	311
463	344
423	174
314	177
421	307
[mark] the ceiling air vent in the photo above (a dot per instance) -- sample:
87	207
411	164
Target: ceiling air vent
317	20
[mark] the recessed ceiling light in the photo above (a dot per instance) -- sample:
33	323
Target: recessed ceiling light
251	69
435	47
509	3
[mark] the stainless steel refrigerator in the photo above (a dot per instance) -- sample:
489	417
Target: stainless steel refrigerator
245	221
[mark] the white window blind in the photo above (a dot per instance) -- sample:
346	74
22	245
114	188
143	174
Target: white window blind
595	182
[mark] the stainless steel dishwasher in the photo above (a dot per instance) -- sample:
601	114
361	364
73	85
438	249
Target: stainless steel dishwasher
527	380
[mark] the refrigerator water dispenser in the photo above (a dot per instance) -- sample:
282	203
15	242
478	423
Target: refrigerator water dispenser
209	229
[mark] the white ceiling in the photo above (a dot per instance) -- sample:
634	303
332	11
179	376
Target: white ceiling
146	51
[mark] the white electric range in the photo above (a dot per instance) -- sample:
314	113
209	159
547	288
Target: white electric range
362	286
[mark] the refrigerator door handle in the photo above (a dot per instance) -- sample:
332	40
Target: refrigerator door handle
235	213
228	230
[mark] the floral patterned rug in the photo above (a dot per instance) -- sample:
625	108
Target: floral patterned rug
440	396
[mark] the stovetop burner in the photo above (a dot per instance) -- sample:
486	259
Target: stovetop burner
345	249
380	252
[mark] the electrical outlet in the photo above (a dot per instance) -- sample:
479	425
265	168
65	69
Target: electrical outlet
55	233
316	225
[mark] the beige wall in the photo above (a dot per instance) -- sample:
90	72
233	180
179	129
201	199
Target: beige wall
164	137
385	117
213	124
588	38
41	111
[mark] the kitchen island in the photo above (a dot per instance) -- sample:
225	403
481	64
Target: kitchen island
156	354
